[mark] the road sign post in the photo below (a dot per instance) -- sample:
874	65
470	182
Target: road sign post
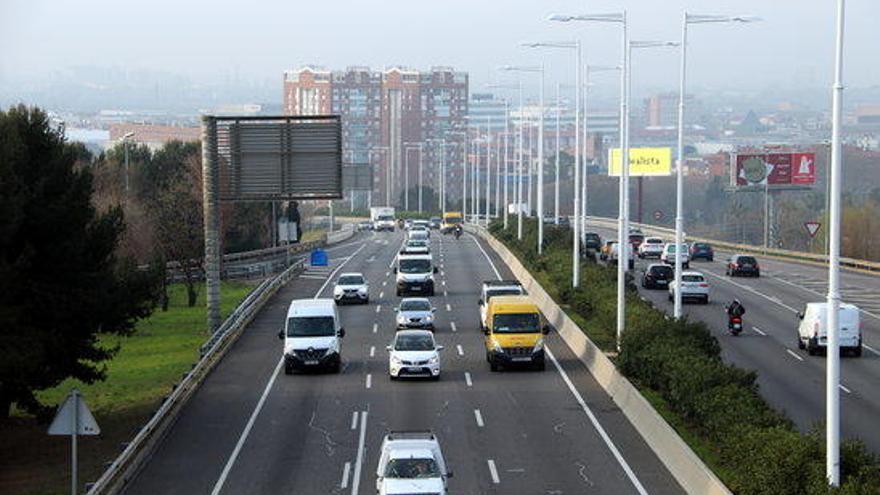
74	418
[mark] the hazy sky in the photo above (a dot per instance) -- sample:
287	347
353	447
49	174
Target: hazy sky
258	39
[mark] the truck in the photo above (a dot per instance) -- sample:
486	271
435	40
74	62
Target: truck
410	462
382	218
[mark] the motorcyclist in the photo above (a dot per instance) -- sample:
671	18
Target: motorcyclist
457	231
736	309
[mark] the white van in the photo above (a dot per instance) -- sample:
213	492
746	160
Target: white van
813	328
311	336
415	274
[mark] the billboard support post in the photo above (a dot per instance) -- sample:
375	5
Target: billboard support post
210	200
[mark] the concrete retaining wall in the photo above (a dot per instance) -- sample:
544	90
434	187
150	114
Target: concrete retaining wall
687	468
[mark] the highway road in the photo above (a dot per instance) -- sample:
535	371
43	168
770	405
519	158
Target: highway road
253	429
790	379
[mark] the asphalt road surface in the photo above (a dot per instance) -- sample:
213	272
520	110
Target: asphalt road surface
253	429
790	379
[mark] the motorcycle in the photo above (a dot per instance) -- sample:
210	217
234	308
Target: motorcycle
734	324
457	234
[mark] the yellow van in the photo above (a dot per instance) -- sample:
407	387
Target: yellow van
514	333
450	220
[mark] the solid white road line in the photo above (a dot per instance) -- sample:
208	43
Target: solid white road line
452	325
346	471
247	430
759	331
376	326
259	407
359	461
467	379
354	420
577	395
493	472
460	350
794	354
372	350
479	417
369	382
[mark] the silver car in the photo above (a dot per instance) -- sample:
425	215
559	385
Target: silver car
415	312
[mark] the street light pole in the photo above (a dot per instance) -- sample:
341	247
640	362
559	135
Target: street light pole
506	160
488	165
125	139
556	181
832	385
519	166
622	226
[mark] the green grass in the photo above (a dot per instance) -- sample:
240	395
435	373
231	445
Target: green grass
162	348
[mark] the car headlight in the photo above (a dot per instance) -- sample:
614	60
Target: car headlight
429	318
362	290
539	346
395	359
496	346
434	360
337	290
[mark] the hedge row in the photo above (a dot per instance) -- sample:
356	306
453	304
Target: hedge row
758	450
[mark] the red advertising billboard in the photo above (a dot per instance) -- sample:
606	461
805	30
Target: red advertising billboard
774	169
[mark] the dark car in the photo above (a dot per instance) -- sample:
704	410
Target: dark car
702	250
592	241
741	264
434	223
636	239
658	276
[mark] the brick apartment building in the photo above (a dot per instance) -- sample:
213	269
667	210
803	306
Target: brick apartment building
385	114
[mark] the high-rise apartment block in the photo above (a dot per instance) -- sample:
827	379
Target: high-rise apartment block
392	119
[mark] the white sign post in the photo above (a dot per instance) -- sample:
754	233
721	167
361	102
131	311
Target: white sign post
74	418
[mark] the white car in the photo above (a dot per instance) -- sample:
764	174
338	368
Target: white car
651	247
668	255
813	328
351	287
415	312
414	353
415	246
411	463
492	288
694	286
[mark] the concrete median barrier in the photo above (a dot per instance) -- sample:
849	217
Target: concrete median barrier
687	468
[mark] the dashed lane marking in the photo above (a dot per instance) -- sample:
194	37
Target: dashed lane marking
460	350
479	417
493	472
467	379
369	382
372	350
346	471
794	354
759	331
452	326
354	420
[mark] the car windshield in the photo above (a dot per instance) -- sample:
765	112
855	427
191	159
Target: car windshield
746	260
654	241
661	271
310	326
411	342
453	219
386	217
415	306
701	246
692	278
351	280
516	323
591	237
414	266
502	292
671	248
412	469
416	243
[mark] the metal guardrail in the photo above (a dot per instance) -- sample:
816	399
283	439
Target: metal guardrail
869	266
139	450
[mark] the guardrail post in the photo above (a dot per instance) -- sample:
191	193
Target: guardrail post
210	193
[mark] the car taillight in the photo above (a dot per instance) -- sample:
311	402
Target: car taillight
704	285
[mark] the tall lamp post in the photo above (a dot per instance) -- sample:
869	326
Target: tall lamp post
540	71
832	385
125	139
679	173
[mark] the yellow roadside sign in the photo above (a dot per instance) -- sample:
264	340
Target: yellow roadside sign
643	162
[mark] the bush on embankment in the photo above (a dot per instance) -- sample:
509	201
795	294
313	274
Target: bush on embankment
754	449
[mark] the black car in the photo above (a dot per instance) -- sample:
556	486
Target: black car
702	250
434	223
743	265
592	241
658	276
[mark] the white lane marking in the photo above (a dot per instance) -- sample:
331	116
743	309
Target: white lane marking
493	472
378	308
794	354
452	325
445	293
358	463
460	350
387	274
845	389
753	291
577	395
443	282
375	327
382	295
259	407
442	274
384	283
875	351
346	471
479	417
759	331
312	277
872	315
372	350
371	259
448	307
467	379
354	420
247	430
369	382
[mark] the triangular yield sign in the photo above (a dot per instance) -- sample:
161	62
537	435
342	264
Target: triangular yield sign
812	228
